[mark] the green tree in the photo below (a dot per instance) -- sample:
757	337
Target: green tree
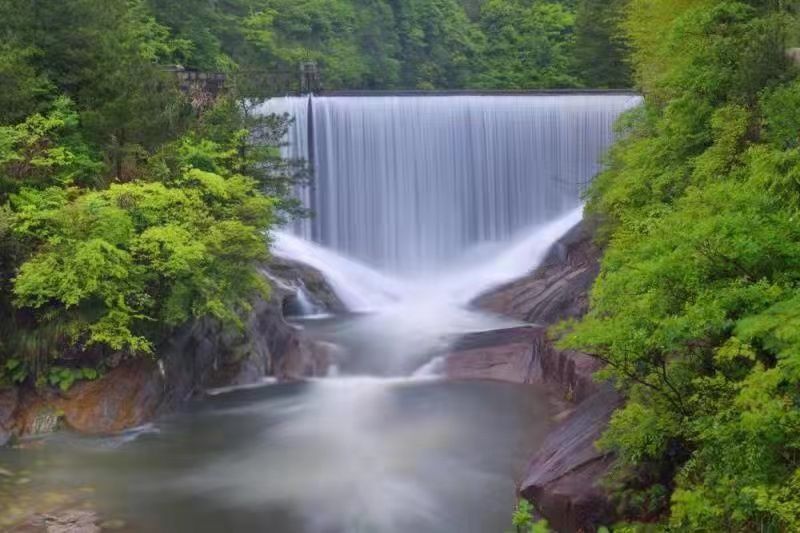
695	308
600	47
528	45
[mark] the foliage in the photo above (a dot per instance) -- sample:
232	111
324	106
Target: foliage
529	44
597	28
696	309
117	264
408	44
124	211
45	150
524	521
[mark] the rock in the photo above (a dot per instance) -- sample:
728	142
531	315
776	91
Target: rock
523	355
563	477
502	355
9	398
204	355
36	413
60	521
72	521
125	397
198	356
287	275
555	291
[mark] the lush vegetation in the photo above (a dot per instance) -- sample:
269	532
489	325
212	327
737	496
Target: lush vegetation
697	308
401	44
127	208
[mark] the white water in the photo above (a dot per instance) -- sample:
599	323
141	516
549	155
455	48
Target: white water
424	204
408	184
411	318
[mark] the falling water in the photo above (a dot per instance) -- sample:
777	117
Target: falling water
408	183
406	187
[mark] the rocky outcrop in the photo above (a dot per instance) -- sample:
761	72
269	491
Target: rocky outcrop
125	397
555	291
563	478
198	356
9	398
523	355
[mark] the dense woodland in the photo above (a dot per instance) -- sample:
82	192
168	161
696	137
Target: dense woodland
697	308
128	208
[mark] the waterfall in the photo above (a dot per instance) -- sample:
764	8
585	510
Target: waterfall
409	183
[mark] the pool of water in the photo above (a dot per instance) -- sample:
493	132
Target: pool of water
335	455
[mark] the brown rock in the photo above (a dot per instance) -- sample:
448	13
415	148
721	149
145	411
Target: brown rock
522	355
9	398
557	290
563	478
126	397
503	355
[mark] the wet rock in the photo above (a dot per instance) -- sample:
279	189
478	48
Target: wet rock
558	289
563	478
503	355
9	398
36	413
523	355
287	275
72	521
125	397
205	355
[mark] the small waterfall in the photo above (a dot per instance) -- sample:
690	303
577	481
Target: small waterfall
412	318
409	183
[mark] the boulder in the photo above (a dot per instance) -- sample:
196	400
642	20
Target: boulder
198	356
523	355
125	397
9	398
563	478
555	291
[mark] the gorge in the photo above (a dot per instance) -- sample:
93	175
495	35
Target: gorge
422	204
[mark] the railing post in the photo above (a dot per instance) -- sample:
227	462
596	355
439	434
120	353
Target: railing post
309	77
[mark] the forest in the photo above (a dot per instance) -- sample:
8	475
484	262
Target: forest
128	208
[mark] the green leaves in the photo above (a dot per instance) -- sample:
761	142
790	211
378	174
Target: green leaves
45	150
64	378
696	310
523	519
528	45
123	263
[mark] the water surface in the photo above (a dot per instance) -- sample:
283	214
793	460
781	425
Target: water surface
336	455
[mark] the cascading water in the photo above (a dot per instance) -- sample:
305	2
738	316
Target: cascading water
409	183
422	204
